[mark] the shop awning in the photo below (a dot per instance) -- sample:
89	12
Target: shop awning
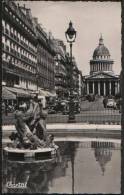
7	95
47	93
50	94
42	93
18	92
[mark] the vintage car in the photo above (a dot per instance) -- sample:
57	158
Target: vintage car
111	104
77	108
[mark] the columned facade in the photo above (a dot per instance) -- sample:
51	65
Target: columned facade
103	87
102	80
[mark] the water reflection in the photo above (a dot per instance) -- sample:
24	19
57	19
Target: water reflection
66	175
103	153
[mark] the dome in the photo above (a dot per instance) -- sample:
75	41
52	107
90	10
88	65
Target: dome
101	50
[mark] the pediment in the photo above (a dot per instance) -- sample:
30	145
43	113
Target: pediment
102	75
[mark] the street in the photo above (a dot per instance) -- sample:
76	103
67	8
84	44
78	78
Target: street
91	112
96	105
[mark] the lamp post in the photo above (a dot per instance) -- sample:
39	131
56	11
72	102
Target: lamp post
70	37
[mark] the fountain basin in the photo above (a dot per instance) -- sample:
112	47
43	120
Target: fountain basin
16	154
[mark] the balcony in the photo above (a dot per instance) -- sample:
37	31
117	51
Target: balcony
11	68
60	83
18	13
21	43
16	25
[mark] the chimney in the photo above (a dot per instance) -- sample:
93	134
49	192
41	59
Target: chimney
28	12
36	20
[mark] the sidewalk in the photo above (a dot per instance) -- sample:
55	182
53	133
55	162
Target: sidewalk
72	126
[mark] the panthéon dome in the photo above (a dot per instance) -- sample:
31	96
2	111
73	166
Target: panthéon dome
101	59
101	51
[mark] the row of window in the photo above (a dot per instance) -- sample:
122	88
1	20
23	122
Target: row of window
19	63
45	54
45	83
96	67
15	34
17	17
19	52
101	57
47	75
46	60
18	55
22	80
23	58
18	41
45	67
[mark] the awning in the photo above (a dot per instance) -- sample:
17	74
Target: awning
18	92
50	94
45	93
53	94
42	93
7	95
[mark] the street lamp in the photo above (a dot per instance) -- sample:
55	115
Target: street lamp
70	37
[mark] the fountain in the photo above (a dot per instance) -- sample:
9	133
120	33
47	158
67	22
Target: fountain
30	142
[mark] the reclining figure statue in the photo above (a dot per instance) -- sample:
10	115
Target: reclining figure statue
31	127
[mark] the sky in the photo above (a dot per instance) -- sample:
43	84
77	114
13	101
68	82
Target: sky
90	20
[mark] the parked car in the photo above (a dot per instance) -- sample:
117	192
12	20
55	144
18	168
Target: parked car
77	108
91	97
111	104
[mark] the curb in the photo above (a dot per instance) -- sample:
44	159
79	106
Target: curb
66	130
72	127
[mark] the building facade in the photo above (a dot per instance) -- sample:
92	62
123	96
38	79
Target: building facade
102	80
75	76
61	85
27	51
18	47
45	71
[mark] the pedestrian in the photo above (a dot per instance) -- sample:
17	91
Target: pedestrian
24	106
105	100
6	108
3	106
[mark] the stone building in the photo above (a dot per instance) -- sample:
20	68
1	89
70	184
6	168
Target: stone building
61	84
19	51
63	75
45	73
102	80
27	52
75	76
